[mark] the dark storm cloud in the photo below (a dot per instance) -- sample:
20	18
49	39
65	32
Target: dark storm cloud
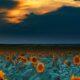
62	26
7	3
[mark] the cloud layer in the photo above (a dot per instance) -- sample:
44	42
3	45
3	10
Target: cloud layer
23	8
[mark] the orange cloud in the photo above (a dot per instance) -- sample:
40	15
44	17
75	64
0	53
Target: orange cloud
39	7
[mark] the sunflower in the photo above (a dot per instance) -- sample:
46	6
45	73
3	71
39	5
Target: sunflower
34	60
24	60
76	60
40	67
75	77
2	74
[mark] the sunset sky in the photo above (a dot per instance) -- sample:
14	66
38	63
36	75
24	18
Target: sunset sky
54	27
